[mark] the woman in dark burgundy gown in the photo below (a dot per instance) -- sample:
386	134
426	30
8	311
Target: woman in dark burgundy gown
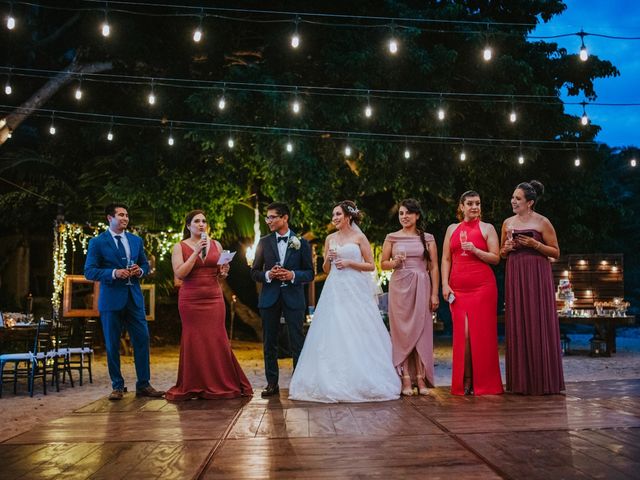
469	248
534	357
208	368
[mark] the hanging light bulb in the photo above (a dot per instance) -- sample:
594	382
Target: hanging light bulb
11	22
407	153
521	159
152	96
78	92
584	53
52	128
289	146
393	46
513	117
633	162
170	140
487	53
110	135
295	106
197	35
463	156
440	113
230	142
222	103
7	88
347	151
295	38
576	162
584	120
368	111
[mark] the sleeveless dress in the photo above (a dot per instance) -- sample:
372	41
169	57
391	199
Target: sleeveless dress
534	355
208	368
474	286
347	353
409	313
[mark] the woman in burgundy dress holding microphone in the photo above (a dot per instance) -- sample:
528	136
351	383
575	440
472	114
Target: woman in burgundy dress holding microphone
468	283
208	368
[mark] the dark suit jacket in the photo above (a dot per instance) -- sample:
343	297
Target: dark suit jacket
102	258
299	261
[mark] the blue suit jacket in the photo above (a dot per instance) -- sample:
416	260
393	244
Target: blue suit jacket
102	258
300	261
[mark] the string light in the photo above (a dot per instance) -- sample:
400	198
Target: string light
52	127
230	142
289	146
347	150
463	155
407	153
78	92
110	133
584	120
576	162
170	140
222	102
487	54
441	112
521	156
197	34
513	115
152	96
584	54
368	111
633	162
393	43
295	106
105	28
295	38
11	21
7	86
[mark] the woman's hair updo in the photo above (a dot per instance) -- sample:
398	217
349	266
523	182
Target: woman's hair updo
463	197
533	190
350	210
186	233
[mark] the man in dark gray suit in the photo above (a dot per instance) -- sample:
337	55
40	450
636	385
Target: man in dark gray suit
283	264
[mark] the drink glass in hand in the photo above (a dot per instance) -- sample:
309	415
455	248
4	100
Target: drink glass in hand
401	254
463	239
509	233
130	268
333	249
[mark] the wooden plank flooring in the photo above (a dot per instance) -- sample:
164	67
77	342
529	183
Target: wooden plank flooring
592	432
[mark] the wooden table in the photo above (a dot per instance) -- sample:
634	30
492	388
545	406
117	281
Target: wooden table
14	339
605	326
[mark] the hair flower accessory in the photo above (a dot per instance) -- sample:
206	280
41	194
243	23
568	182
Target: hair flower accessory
294	242
355	211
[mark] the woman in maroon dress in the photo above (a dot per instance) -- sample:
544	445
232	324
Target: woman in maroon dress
413	295
468	283
208	368
534	357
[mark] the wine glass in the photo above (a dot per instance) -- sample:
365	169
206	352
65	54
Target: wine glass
278	266
401	254
130	268
510	232
333	247
463	239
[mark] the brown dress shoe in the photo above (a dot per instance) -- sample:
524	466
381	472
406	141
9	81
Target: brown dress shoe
149	391
270	391
117	394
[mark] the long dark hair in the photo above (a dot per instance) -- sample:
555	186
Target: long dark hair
413	206
186	233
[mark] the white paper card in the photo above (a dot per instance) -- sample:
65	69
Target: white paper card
225	257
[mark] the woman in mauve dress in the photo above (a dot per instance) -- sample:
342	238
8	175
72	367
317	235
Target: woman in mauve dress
413	295
534	356
468	283
208	368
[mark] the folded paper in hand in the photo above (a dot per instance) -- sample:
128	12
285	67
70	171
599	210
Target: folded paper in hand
225	257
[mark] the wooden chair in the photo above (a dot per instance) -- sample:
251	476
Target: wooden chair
81	356
60	352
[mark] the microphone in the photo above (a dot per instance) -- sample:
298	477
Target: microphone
203	236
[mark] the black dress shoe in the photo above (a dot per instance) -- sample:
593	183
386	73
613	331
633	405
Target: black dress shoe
270	391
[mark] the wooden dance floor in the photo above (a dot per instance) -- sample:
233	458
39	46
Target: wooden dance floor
592	432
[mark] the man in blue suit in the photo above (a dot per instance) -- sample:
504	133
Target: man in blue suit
283	264
117	260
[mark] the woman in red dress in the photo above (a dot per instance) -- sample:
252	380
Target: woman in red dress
468	283
208	368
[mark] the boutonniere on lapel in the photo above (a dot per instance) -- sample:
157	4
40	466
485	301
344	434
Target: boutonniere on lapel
294	243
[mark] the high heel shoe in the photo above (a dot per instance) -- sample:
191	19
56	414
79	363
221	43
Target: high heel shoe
407	391
422	390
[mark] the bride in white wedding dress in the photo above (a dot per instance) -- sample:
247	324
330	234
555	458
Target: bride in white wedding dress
347	353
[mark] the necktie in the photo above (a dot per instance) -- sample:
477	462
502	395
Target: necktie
282	239
121	250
